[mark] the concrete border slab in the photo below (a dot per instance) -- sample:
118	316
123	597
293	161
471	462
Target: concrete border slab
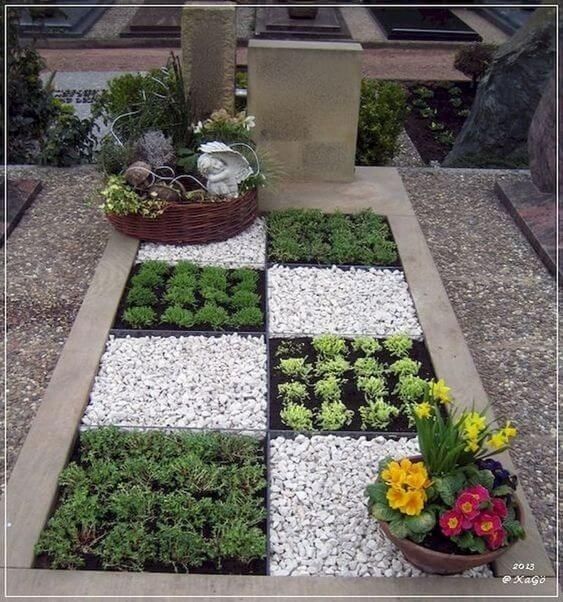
50	440
29	582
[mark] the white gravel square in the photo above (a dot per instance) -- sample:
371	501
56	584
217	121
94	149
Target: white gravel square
247	249
193	381
319	519
307	301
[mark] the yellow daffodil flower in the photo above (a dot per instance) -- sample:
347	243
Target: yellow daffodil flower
423	410
472	445
497	440
475	420
509	431
471	431
441	392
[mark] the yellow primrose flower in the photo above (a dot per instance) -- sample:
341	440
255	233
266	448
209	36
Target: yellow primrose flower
497	440
441	392
416	480
509	431
394	475
419	467
423	410
413	502
397	498
406	464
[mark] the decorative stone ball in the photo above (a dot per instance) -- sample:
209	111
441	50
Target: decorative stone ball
138	174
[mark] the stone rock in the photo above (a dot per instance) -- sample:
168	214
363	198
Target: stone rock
496	131
542	140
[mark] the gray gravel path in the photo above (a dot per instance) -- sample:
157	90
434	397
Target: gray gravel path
504	299
52	255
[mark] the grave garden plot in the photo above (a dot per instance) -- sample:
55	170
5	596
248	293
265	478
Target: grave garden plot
247	250
437	112
306	301
330	384
317	508
187	297
316	500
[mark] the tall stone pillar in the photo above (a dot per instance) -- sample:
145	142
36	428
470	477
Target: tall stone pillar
209	43
306	99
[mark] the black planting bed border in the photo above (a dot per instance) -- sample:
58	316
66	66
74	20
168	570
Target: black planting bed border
419	353
118	324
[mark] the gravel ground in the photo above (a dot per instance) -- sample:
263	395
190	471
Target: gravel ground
192	382
309	301
407	154
248	249
52	255
504	299
320	524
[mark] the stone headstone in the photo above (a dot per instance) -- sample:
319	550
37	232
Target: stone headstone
541	141
209	43
306	97
496	132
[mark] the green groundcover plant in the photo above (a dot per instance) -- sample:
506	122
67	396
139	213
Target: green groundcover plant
310	236
331	382
188	296
133	500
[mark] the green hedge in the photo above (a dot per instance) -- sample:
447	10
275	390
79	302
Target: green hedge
383	110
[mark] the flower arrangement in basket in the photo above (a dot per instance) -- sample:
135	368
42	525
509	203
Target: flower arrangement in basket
453	507
170	180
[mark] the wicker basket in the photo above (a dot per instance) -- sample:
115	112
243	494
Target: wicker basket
192	223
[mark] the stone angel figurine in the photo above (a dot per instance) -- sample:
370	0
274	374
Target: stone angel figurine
223	167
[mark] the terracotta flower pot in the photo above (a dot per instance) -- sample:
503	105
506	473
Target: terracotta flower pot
440	563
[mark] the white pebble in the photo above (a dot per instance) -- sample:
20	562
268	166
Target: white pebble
308	301
247	249
191	381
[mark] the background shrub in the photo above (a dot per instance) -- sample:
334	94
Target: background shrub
40	127
383	110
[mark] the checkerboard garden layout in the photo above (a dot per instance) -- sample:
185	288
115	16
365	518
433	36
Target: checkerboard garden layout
224	337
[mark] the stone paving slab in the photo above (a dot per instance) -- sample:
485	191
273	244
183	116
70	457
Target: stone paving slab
535	214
